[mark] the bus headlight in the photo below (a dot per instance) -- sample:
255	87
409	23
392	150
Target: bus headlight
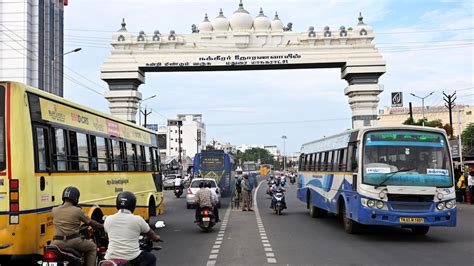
371	203
379	204
440	206
382	194
450	204
439	196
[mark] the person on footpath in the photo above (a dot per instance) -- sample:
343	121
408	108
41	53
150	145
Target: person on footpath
470	185
246	190
461	185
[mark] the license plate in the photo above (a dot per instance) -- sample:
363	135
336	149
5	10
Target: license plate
49	263
412	220
206	219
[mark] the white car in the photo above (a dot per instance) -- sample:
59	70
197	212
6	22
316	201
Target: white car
168	182
194	187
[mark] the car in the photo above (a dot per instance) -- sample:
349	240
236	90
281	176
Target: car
168	182
194	187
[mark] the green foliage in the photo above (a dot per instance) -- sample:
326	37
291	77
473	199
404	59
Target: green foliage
254	154
432	123
467	137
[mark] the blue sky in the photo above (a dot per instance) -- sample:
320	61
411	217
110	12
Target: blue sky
428	46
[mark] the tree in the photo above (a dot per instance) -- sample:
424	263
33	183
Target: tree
468	139
209	147
254	154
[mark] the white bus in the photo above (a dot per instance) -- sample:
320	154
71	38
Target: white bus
393	176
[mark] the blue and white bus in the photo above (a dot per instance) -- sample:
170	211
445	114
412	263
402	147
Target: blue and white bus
218	165
393	176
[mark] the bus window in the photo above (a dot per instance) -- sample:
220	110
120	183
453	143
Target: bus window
117	155
60	153
316	160
342	159
93	149
42	148
156	159
83	152
147	159
73	160
329	161
130	156
352	160
2	129
335	161
101	154
141	159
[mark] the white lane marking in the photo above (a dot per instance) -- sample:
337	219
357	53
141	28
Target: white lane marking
263	237
220	237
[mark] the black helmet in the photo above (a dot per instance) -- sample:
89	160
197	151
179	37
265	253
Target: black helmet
126	200
208	184
72	194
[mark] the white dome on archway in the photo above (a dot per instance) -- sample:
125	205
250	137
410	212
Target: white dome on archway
276	23
241	20
220	23
261	22
206	25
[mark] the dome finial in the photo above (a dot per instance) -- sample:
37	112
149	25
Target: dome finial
123	25
241	5
276	16
361	22
221	14
241	8
206	18
261	12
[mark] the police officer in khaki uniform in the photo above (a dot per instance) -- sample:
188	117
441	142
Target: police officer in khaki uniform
67	220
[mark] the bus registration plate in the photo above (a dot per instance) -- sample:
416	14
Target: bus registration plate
412	220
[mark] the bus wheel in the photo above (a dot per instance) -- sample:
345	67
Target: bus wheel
420	230
151	208
350	226
314	211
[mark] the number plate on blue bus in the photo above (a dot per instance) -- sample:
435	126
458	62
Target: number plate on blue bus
412	220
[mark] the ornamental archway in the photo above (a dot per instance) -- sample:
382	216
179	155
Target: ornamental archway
245	43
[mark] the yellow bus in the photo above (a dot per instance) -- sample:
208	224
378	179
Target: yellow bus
48	143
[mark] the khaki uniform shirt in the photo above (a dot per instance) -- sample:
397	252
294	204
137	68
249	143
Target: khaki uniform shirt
204	197
67	219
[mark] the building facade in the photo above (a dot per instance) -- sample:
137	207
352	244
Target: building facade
190	130
396	116
31	43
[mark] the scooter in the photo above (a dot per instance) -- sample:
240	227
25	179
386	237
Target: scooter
278	201
292	179
269	189
206	219
56	256
178	191
145	244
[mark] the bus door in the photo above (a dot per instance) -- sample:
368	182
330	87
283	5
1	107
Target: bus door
45	198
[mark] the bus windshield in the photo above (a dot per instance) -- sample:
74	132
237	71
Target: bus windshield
212	162
419	158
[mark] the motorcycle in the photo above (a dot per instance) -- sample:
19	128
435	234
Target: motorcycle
58	256
206	219
145	244
292	179
269	189
178	191
278	201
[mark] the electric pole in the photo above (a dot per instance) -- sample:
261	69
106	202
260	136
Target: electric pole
449	99
145	114
410	111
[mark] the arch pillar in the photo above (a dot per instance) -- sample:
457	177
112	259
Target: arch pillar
363	91
123	94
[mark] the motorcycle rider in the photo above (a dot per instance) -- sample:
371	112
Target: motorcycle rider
124	229
178	182
276	187
67	220
203	199
215	201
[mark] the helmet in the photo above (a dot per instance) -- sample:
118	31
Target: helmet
126	200
208	184
72	194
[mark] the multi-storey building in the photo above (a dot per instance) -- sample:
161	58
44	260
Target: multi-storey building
31	43
190	130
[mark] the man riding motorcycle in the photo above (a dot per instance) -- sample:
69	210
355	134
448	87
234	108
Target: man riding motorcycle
67	220
276	187
203	199
215	201
124	229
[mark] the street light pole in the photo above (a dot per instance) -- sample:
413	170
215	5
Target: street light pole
60	68
284	152
423	104
140	108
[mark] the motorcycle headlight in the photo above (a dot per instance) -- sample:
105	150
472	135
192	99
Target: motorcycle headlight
379	204
450	204
371	203
440	206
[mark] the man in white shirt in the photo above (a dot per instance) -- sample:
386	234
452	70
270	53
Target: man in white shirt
470	185
178	182
124	228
